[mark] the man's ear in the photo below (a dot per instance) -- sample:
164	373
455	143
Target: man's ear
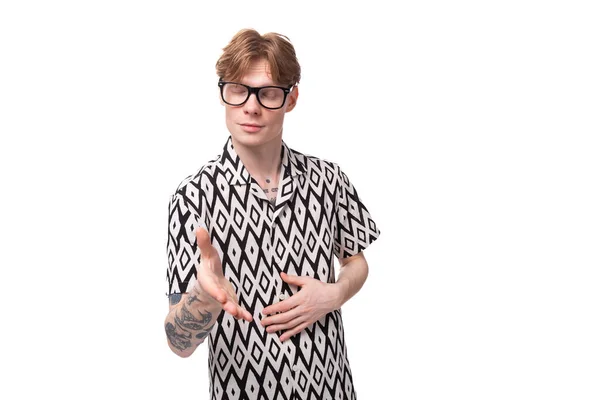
292	99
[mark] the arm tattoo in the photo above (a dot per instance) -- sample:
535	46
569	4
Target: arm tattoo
175	298
188	321
192	299
186	327
202	335
179	340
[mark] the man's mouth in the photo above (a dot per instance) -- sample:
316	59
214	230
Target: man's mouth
251	127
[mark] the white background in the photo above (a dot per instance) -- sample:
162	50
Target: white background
469	128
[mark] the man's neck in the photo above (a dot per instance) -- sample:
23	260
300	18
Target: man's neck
262	162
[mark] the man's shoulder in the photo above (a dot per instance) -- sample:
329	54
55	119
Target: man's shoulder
193	181
324	167
314	163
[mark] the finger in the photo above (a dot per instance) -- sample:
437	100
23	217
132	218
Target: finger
214	291
288	325
281	318
243	314
203	240
232	294
284	305
294	331
294	279
236	311
234	308
230	308
220	295
247	316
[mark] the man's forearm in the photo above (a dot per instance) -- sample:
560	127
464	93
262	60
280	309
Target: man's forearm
190	321
351	278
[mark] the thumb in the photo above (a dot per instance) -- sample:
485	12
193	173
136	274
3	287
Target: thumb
293	279
203	240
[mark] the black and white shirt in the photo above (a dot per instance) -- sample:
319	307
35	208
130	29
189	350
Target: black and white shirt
317	217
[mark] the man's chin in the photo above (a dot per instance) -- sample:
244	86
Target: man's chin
251	139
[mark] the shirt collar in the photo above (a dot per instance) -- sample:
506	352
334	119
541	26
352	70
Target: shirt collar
237	174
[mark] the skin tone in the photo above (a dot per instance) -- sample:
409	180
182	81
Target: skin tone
292	315
257	139
316	299
211	280
192	315
256	132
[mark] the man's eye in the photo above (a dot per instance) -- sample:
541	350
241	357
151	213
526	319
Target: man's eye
269	94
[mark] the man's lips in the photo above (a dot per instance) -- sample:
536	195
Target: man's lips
251	127
256	125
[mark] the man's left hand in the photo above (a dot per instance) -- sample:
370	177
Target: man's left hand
304	308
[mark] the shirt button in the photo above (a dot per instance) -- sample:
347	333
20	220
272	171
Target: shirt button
281	296
295	367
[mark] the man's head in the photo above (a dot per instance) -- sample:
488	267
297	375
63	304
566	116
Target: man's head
254	117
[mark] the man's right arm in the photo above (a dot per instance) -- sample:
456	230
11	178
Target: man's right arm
190	319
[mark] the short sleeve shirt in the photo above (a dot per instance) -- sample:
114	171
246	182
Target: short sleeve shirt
316	218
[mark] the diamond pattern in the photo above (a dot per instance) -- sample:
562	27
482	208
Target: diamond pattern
318	217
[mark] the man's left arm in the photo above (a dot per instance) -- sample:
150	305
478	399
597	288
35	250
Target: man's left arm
316	299
353	274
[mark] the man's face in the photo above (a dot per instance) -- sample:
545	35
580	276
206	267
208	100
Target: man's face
251	124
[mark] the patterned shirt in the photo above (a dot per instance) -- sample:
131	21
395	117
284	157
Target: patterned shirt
316	218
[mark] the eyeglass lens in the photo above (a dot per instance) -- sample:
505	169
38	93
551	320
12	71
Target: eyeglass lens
237	94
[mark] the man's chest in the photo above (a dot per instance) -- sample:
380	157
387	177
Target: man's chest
264	230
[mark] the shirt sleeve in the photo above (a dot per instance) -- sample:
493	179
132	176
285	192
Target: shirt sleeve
355	229
183	255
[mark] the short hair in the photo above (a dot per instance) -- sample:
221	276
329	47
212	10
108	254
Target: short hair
248	45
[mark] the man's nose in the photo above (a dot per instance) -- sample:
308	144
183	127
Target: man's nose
252	106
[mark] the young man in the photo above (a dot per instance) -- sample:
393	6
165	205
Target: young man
252	240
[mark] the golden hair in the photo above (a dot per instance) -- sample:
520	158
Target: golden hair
248	45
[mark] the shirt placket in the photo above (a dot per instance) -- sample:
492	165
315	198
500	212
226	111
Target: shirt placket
289	347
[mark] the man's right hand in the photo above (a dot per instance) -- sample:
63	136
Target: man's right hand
211	280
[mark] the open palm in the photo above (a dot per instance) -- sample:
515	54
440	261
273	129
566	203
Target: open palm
213	282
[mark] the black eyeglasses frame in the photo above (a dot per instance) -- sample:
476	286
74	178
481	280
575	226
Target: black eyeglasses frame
286	91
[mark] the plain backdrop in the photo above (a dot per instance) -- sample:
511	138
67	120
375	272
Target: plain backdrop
469	128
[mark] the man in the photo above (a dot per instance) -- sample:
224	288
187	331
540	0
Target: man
252	240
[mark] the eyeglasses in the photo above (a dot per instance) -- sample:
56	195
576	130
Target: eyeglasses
270	97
